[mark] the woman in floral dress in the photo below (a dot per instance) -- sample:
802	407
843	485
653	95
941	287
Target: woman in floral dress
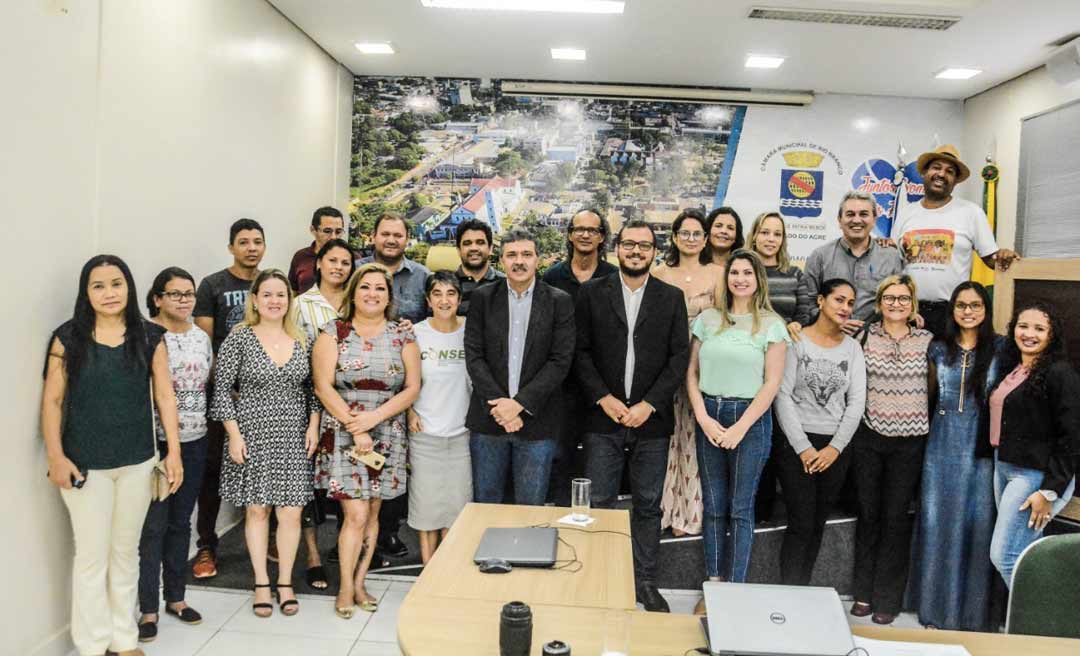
367	374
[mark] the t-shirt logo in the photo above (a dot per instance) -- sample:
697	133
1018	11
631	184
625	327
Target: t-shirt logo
234	300
824	378
930	246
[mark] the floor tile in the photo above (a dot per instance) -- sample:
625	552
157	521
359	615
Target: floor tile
216	608
366	648
230	643
178	640
382	625
316	618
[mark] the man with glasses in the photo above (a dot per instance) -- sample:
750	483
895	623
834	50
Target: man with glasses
586	237
854	257
326	223
632	354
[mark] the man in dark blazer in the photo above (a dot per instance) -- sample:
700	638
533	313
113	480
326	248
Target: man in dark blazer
632	354
519	347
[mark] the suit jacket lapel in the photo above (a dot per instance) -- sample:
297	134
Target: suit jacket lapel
538	308
500	310
651	296
615	294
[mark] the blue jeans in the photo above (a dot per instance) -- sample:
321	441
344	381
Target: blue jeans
166	534
729	480
497	457
1012	485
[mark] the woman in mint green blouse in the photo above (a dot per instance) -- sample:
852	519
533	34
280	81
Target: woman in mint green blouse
736	363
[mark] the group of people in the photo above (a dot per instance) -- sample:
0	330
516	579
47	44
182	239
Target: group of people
377	386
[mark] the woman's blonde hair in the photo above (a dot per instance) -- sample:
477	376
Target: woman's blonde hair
783	260
348	307
898	279
759	304
288	322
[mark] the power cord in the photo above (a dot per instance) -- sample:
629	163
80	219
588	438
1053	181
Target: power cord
567	564
575	528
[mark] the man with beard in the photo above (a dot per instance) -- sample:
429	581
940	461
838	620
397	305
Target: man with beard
519	346
632	354
939	234
586	238
854	257
474	247
390	236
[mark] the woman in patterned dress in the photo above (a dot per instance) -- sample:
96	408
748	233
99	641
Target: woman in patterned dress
688	267
367	374
271	423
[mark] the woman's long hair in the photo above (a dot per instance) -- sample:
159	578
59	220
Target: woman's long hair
288	322
711	219
83	321
326	248
348	306
759	304
984	348
671	258
783	259
1054	352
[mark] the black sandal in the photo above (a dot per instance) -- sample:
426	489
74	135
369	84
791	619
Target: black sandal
317	575
256	607
289	607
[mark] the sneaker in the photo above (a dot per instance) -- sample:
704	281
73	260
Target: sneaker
205	565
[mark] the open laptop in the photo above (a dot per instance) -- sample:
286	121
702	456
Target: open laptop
745	619
522	547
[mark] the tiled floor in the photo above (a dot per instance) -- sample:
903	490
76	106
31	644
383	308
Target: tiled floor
230	628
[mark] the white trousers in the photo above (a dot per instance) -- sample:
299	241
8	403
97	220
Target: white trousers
107	517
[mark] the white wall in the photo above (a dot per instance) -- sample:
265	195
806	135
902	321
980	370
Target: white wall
995	115
142	128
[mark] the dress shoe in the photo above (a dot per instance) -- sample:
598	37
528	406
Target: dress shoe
651	599
147	631
860	609
392	546
882	618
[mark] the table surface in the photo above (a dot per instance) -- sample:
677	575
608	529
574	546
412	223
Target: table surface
453	609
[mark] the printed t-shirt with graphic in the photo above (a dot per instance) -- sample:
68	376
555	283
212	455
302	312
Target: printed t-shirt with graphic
938	245
731	360
446	389
189	369
221	297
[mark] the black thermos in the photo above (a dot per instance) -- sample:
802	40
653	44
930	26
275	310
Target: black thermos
515	629
556	648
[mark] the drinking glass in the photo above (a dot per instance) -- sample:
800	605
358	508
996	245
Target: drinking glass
580	494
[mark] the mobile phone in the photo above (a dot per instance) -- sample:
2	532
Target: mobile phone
371	458
76	483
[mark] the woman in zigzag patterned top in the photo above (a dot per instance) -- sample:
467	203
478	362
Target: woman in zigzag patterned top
888	448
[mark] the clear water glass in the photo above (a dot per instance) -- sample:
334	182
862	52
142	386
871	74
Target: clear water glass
580	496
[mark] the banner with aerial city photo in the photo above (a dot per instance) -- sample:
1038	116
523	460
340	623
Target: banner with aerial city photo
444	151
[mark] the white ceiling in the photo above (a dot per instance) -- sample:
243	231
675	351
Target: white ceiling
698	42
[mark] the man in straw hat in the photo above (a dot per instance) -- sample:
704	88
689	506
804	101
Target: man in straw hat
938	235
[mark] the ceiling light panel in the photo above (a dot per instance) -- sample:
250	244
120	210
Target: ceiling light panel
572	54
554	6
375	48
957	73
861	18
763	61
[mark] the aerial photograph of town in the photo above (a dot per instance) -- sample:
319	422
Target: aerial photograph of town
443	151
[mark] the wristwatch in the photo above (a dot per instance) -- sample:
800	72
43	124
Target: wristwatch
1049	495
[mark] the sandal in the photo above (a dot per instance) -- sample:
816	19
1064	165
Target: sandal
316	578
262	609
289	607
368	603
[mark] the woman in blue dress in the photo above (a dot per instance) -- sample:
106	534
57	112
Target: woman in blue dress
951	569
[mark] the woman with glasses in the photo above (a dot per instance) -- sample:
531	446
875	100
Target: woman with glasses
688	267
166	533
951	573
888	449
723	229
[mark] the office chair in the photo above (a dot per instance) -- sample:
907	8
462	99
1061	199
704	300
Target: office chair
1046	589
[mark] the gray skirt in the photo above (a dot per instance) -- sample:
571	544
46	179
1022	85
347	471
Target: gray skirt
440	479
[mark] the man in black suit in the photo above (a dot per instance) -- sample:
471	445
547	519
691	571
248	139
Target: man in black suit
519	347
632	354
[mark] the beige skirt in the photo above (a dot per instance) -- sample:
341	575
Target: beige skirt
440	479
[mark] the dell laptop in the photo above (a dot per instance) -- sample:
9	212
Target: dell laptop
521	547
743	619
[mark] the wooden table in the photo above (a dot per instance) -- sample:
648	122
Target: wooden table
452	609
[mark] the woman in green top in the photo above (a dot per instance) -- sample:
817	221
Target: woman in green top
736	363
98	425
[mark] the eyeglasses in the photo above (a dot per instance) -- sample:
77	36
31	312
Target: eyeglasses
332	232
686	235
587	231
977	306
643	246
896	300
176	296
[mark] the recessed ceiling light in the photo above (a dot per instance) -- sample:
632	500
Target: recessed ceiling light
763	61
375	48
559	6
573	54
957	73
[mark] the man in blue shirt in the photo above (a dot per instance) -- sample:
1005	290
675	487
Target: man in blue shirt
390	237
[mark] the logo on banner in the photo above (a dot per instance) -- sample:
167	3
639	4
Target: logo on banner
802	186
879	178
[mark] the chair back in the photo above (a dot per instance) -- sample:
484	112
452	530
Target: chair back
1045	591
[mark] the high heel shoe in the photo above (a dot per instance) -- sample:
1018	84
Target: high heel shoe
289	607
263	609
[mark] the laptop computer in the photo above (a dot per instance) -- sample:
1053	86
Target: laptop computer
522	547
746	619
